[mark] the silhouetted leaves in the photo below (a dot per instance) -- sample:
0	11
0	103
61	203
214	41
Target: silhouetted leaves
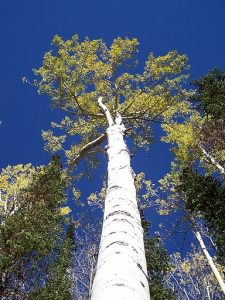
205	196
210	95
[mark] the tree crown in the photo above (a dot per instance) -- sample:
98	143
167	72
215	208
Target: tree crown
76	73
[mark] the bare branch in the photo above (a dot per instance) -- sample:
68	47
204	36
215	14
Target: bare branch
86	114
87	147
132	102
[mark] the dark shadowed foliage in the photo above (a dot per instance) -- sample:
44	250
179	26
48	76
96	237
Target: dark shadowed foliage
205	196
33	244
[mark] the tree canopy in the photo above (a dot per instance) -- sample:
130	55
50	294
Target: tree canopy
75	73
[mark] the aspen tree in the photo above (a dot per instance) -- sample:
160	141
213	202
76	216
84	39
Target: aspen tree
178	199
105	100
192	278
200	137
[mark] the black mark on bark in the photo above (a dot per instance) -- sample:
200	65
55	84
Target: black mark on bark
120	220
121	231
142	283
140	267
120	284
121	243
119	212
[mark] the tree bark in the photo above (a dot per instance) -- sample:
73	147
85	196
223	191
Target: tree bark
207	255
121	272
210	158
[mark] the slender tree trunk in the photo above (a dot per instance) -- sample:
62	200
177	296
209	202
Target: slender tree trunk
210	158
207	255
121	272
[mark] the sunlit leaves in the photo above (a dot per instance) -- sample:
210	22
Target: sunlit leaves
53	143
169	64
185	137
12	180
122	50
75	73
145	191
169	201
65	210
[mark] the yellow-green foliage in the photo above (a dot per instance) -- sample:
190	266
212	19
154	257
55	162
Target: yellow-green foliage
157	67
65	210
75	73
34	247
169	200
185	137
13	179
145	191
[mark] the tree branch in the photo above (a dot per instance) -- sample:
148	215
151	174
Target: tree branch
106	112
132	102
87	147
86	114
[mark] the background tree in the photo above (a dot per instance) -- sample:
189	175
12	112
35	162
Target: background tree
192	279
209	97
85	259
196	147
158	265
33	246
205	196
200	137
176	201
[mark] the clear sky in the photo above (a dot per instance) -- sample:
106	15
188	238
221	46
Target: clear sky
27	27
193	27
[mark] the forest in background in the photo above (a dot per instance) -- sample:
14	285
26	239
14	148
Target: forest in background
46	252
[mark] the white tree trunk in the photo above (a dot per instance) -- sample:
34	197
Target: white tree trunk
210	158
121	272
208	256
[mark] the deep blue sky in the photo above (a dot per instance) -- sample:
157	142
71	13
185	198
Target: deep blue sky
193	27
27	27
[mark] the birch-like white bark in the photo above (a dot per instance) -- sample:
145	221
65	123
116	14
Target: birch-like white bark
182	289
212	160
121	272
207	255
106	112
